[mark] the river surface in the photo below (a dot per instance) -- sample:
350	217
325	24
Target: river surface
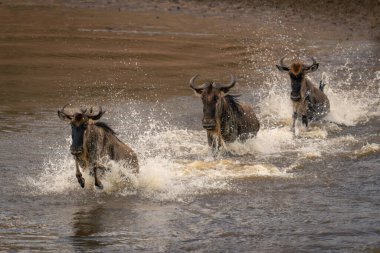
317	191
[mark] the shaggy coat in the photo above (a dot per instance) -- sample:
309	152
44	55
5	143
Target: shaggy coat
92	141
224	117
309	102
233	120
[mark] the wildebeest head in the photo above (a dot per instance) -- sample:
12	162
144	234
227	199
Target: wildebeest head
297	72
210	93
79	122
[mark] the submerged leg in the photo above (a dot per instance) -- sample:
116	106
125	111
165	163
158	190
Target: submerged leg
214	142
78	174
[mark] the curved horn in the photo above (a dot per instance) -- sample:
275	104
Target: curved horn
192	81
282	62
314	62
282	66
312	67
96	116
225	86
203	86
63	115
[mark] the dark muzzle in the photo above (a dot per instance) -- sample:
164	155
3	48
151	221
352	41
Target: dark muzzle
295	96
208	124
76	150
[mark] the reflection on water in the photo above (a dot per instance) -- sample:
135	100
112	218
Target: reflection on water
117	225
87	223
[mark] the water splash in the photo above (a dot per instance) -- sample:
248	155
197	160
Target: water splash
349	106
176	163
368	149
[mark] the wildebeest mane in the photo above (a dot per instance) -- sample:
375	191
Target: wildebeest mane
233	102
229	113
105	127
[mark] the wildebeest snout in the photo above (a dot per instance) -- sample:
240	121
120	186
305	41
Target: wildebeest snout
295	95
208	124
76	150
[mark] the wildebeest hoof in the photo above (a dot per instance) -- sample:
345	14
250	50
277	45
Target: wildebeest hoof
305	120
99	185
81	181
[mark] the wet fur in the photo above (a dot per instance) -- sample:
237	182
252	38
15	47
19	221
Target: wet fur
233	120
100	141
314	103
309	102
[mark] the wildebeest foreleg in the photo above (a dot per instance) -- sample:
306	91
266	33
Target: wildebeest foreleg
97	181
294	121
78	174
214	141
305	120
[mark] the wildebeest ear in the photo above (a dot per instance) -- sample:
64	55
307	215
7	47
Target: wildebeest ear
225	87
311	68
282	68
224	91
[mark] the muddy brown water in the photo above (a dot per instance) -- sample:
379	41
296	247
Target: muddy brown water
315	192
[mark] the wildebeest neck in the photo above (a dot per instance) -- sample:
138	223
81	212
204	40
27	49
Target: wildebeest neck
228	112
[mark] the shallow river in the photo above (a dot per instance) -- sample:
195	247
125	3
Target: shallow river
313	192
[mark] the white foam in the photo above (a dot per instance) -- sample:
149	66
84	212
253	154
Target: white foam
348	106
174	165
177	164
267	141
367	149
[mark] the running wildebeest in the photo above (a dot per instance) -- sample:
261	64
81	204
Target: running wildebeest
93	140
309	102
224	117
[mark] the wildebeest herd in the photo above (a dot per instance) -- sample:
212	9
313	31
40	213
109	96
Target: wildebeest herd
225	119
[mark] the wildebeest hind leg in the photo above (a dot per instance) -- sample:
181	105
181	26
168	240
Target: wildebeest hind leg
78	174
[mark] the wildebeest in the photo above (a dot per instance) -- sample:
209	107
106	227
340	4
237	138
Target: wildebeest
309	102
224	117
93	140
